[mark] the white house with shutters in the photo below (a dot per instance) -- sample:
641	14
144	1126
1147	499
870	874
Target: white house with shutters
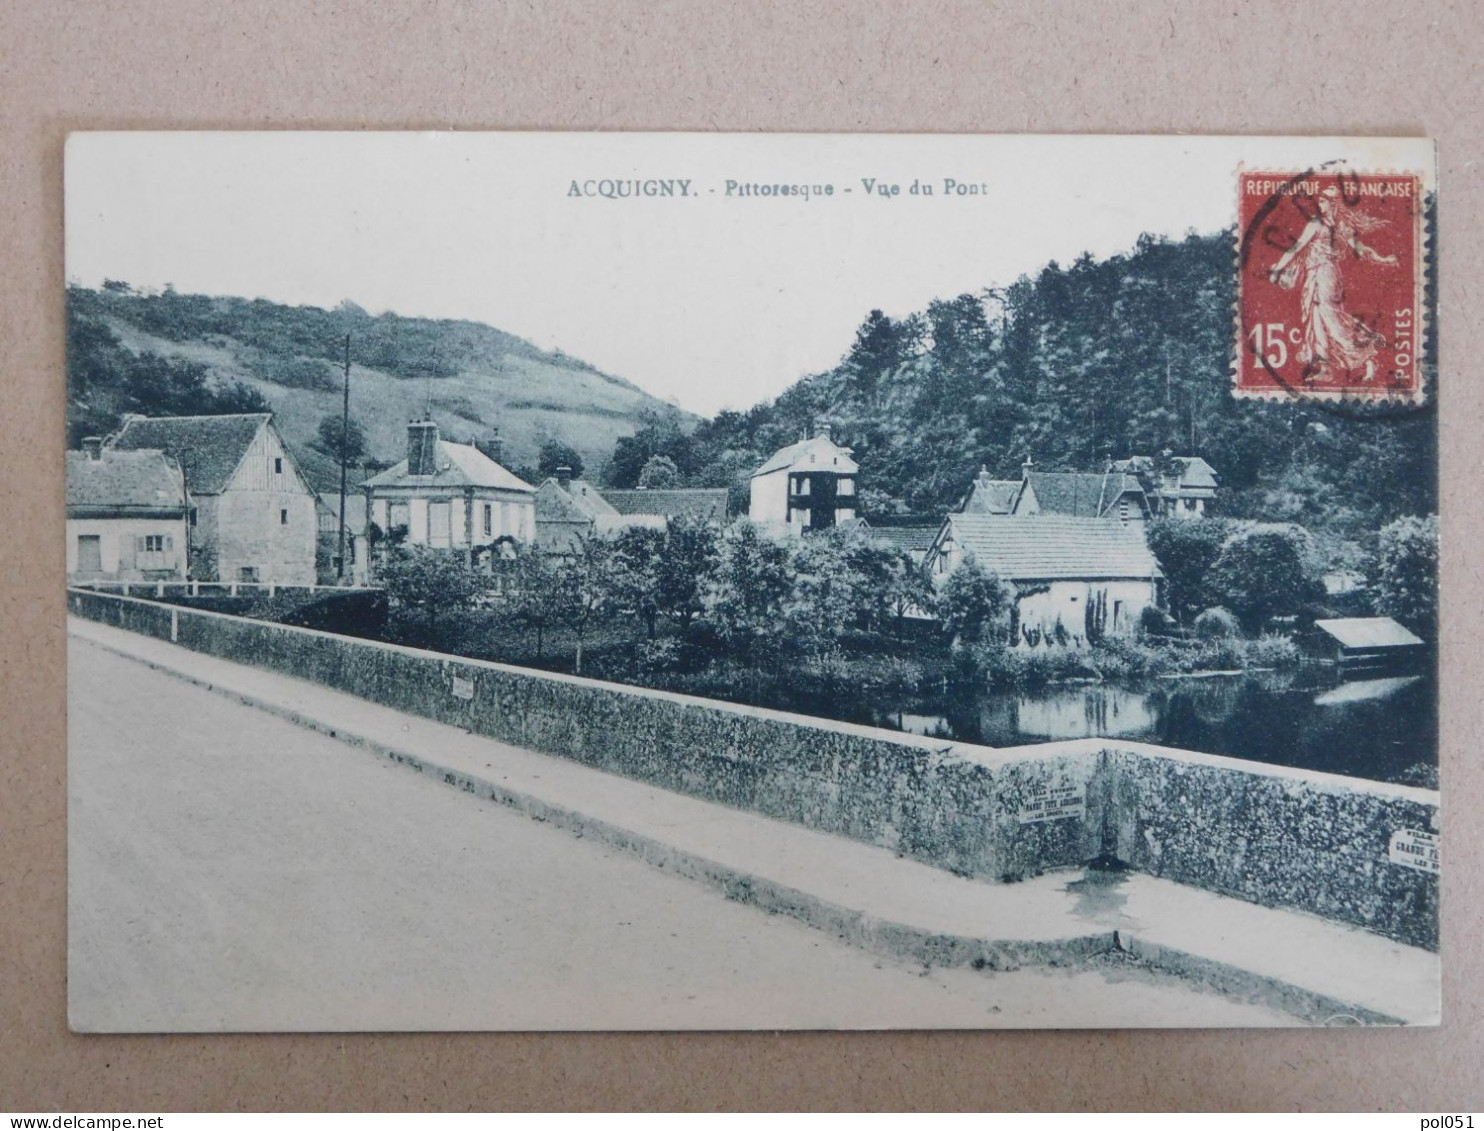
448	496
126	515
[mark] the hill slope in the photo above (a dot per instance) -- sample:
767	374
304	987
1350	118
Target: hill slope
197	353
1124	356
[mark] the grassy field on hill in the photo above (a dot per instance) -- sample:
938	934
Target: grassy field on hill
474	379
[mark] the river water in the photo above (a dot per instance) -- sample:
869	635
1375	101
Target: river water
1384	728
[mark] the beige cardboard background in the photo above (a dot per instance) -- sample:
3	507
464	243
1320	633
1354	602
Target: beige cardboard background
1318	67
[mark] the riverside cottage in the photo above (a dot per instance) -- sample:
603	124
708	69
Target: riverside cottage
126	515
449	496
1075	577
252	513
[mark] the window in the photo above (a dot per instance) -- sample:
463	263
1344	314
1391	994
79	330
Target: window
278	465
247	573
847	486
193	516
154	543
283	516
801	485
489	519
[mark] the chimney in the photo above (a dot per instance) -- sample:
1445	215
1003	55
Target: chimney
822	430
422	447
1025	468
493	447
564	476
984	477
93	446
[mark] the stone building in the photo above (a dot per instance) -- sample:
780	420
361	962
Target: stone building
127	515
805	486
449	496
252	515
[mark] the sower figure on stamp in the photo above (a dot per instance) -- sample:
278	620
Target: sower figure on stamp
1333	337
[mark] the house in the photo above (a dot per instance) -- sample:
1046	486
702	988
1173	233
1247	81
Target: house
569	510
1079	494
910	534
252	515
127	515
805	486
1074	575
1178	486
703	504
448	496
988	495
1366	642
327	508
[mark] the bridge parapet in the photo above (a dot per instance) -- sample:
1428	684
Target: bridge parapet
1344	848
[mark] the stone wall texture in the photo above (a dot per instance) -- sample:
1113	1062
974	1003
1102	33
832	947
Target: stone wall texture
1263	833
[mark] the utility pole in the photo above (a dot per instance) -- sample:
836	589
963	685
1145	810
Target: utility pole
344	458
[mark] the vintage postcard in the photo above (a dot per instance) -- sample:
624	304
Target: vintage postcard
638	581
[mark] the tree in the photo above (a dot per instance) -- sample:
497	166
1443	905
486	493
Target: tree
747	590
1187	548
1407	572
638	556
585	585
685	569
827	594
528	583
328	439
973	604
659	472
432	580
1264	571
556	455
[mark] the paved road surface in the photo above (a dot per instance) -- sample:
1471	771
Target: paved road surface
230	870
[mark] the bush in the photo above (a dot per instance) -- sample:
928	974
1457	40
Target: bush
1270	650
1217	623
1155	621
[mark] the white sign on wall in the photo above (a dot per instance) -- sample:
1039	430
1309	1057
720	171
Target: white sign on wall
1412	848
1053	803
463	688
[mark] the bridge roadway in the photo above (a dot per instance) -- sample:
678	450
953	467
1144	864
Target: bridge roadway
233	871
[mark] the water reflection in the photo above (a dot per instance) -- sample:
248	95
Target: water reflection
1383	728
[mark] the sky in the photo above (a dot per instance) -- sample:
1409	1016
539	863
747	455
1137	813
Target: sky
706	298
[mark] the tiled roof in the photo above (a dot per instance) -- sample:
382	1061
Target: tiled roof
819	453
906	533
1194	471
209	449
1044	547
693	502
1078	493
991	496
1368	632
459	465
125	482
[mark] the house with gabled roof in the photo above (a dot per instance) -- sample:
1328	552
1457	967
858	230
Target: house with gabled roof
1076	577
126	515
988	495
252	515
570	510
1178	486
448	496
805	486
1079	494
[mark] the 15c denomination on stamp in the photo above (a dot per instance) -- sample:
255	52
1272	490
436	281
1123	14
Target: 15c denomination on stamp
1330	292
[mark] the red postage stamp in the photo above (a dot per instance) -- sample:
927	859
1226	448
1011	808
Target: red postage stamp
1330	297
